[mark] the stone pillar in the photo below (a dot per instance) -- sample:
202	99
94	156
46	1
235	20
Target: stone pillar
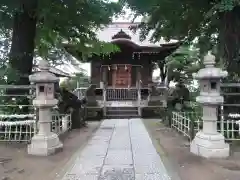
65	121
105	75
103	81
105	72
138	86
114	69
45	142
208	142
138	77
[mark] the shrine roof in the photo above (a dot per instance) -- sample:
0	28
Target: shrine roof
107	33
121	34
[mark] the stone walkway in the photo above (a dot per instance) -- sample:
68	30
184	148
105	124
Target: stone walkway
121	149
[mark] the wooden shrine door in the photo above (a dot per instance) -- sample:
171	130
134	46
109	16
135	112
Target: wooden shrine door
122	76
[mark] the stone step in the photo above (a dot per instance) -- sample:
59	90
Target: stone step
122	112
122	116
122	108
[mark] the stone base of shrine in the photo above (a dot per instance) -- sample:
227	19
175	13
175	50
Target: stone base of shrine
44	145
209	145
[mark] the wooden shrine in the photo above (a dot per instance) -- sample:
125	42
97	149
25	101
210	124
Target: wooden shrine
126	75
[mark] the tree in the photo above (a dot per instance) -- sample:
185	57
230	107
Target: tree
214	23
182	64
178	67
40	27
44	25
72	83
23	37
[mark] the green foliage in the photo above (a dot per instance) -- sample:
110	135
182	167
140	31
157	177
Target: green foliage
183	20
72	83
58	22
69	21
171	19
180	65
96	48
213	25
183	63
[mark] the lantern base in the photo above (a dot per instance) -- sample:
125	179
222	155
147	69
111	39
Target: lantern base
44	145
209	145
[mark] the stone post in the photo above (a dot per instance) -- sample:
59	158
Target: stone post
104	102
65	121
45	142
106	71
104	77
208	142
138	86
138	77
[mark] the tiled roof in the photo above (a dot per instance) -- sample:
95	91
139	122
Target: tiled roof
108	32
55	71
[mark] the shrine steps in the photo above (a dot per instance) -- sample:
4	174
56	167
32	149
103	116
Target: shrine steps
121	112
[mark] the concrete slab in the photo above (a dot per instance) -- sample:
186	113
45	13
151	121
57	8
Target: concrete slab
120	149
119	157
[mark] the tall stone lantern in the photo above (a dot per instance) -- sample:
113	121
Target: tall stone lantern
208	142
45	142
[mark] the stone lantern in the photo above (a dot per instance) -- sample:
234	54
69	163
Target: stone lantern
45	142
208	142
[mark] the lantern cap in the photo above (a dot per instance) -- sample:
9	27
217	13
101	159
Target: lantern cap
44	76
209	59
210	71
44	65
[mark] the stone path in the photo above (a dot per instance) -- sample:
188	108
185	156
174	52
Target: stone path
121	149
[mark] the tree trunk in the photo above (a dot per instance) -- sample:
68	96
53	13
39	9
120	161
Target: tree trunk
229	41
22	47
161	66
229	44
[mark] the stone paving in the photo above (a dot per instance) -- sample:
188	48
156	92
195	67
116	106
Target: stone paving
121	149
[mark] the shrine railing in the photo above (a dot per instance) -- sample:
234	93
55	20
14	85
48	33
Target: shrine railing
189	123
18	117
22	129
186	123
121	94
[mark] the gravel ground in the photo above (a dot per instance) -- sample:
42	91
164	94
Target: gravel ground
183	164
16	164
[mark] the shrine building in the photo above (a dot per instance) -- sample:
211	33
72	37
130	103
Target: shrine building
126	76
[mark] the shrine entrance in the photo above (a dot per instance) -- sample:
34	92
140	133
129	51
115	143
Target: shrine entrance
121	76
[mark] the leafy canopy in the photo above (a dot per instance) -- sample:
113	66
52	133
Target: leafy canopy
79	80
182	20
67	21
183	63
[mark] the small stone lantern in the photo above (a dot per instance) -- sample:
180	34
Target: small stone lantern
208	142
45	142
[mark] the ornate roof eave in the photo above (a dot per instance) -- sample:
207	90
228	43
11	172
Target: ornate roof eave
160	49
159	53
121	35
125	42
165	49
131	43
151	48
